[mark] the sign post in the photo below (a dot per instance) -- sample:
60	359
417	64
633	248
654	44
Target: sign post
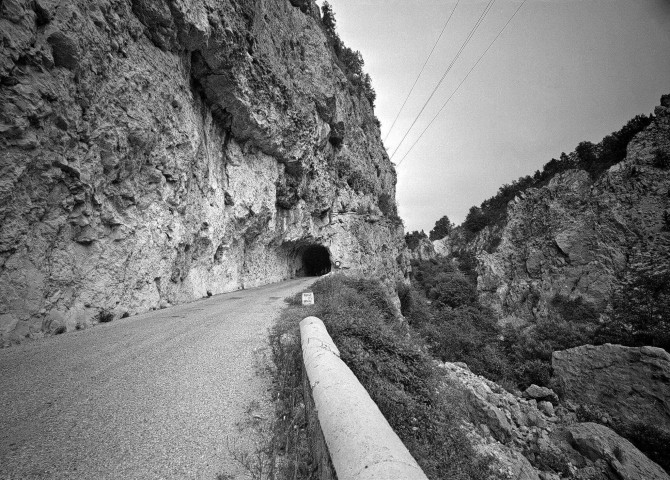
308	298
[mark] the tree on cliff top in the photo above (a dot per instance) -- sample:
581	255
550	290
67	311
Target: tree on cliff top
349	60
413	240
441	229
328	18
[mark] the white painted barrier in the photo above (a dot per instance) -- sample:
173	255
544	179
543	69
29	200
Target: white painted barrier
361	443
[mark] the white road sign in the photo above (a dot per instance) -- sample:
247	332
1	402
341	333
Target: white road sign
308	298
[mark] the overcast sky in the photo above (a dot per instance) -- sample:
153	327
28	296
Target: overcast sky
562	72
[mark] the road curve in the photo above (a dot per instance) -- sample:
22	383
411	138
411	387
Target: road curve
153	396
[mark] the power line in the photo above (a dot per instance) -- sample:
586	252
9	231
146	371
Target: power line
463	81
486	10
422	69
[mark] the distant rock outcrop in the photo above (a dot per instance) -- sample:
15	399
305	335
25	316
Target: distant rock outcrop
576	236
630	384
152	151
423	250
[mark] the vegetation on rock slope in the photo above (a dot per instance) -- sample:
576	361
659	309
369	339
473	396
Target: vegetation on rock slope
442	306
391	362
445	308
349	60
595	159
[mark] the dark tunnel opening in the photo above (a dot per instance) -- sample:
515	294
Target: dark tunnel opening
316	261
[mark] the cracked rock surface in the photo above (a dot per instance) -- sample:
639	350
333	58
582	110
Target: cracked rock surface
156	150
528	440
575	237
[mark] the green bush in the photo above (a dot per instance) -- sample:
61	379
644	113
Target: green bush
641	309
661	160
105	316
360	182
467	263
451	290
575	310
533	371
441	229
476	220
443	284
350	61
412	240
458	328
387	205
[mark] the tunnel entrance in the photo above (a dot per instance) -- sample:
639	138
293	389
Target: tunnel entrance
315	261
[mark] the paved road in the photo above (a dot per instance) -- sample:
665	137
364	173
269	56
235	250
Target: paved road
151	396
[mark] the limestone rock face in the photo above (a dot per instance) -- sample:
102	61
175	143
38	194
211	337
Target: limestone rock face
574	236
423	251
629	383
527	442
156	150
625	462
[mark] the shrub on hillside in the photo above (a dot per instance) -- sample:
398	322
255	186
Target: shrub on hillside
451	289
595	159
349	60
441	229
464	334
105	316
360	182
458	328
443	284
476	220
414	306
641	310
412	240
574	310
467	263
387	205
661	160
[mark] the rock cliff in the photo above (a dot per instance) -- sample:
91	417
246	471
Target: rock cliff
156	151
628	384
577	236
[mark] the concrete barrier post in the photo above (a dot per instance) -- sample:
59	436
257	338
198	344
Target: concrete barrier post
361	443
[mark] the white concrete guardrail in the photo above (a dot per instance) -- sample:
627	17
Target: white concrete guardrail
360	442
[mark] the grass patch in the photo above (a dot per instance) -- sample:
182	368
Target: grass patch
393	366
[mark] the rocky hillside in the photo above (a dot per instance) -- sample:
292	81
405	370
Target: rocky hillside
156	151
581	236
538	437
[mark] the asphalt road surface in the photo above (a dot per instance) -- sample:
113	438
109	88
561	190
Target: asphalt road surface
158	395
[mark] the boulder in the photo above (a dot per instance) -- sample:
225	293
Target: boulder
546	407
597	442
630	384
541	394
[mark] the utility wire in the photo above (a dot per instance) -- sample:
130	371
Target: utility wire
422	69
463	81
486	10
